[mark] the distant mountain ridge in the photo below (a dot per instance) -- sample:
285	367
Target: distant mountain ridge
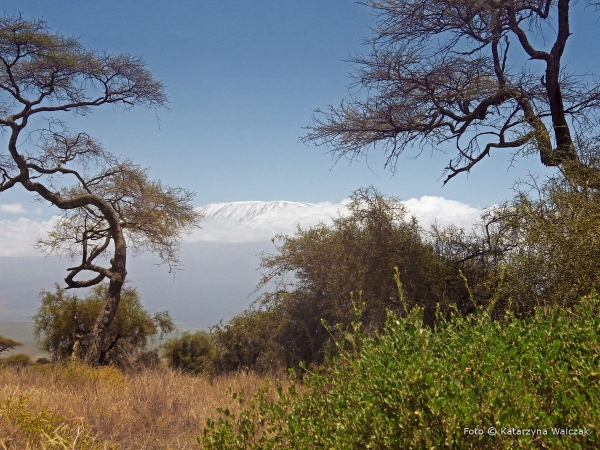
240	211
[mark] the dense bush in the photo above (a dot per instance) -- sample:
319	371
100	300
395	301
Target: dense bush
18	360
316	271
539	249
411	387
543	244
248	341
191	352
64	321
556	261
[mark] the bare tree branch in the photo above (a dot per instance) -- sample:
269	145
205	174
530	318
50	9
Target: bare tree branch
444	70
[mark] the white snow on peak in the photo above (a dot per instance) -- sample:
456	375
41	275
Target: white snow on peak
261	221
241	211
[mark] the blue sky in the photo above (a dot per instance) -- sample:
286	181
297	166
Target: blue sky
243	78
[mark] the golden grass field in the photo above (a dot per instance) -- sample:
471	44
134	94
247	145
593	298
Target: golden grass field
76	406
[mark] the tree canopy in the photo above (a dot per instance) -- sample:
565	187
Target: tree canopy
62	320
319	271
537	250
450	73
7	344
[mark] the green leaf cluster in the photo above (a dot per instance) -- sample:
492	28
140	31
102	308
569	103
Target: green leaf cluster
65	321
248	341
191	352
411	387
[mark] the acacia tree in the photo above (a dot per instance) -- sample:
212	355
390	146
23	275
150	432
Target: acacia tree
111	200
7	344
452	71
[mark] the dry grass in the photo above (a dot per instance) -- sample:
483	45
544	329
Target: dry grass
152	409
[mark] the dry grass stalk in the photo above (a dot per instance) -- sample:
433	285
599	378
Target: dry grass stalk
150	409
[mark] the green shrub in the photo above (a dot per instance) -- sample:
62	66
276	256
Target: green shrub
315	270
65	321
192	352
410	387
247	342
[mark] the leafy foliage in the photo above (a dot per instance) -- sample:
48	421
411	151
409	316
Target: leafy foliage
248	341
63	321
191	352
411	387
539	249
318	270
556	261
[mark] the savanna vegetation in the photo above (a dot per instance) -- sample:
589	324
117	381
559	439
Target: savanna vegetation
412	387
63	321
394	336
75	406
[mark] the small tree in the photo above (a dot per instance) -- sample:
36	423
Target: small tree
111	200
556	262
538	249
7	344
191	352
63	321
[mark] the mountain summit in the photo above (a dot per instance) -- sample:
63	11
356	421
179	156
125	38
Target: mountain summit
259	221
241	211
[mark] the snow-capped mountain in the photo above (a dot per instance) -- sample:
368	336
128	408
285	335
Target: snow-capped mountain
259	221
240	211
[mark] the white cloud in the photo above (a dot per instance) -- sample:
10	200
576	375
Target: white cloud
18	236
429	209
12	208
